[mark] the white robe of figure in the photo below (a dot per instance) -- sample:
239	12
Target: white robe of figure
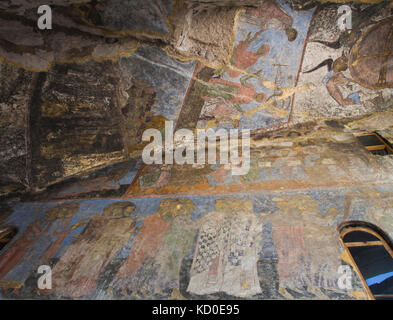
226	255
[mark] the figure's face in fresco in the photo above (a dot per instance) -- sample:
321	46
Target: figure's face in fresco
340	64
62	211
170	208
291	34
260	97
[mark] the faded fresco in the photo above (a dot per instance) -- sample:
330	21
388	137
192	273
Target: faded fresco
226	246
154	91
76	195
346	72
250	92
286	65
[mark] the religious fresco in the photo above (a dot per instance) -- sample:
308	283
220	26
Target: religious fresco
78	135
74	274
274	43
153	264
168	77
347	72
153	87
252	90
38	239
226	252
196	246
287	164
288	66
100	126
111	227
111	181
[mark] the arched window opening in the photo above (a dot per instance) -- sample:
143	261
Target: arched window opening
6	235
370	250
375	143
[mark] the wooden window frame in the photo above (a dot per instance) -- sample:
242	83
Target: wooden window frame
380	242
381	146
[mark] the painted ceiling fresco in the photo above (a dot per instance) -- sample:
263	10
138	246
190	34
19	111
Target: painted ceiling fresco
75	101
